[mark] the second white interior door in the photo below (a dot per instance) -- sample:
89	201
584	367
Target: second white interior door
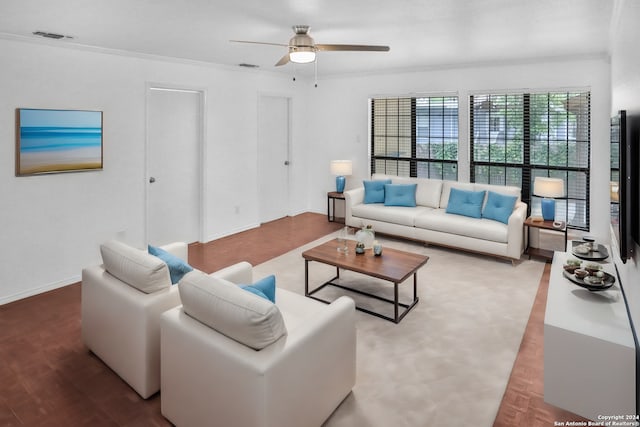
273	157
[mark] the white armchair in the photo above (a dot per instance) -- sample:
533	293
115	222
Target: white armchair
122	301
297	380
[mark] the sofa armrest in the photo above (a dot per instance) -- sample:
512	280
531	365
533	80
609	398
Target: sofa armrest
515	231
352	198
179	249
240	273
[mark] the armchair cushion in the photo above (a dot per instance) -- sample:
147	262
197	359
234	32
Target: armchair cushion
135	267
177	267
228	309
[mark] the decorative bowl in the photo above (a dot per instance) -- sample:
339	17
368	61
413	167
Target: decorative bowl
592	268
570	268
580	273
593	280
574	261
582	249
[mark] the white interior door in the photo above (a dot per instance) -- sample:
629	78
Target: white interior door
273	157
174	129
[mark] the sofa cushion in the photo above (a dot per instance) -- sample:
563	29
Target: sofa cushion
464	202
374	190
498	207
135	267
230	310
177	266
400	195
265	287
485	229
401	215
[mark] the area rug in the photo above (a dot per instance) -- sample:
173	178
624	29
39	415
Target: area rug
448	361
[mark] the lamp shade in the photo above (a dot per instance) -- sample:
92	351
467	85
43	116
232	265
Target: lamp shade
548	187
341	167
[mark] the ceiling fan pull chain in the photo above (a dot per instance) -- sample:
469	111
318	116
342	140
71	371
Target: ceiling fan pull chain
315	71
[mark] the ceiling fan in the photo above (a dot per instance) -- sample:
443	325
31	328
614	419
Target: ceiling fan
302	48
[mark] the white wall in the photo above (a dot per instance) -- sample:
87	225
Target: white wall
625	89
340	125
52	224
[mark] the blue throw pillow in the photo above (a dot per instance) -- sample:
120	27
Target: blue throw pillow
266	288
467	203
374	190
256	291
177	267
499	207
400	195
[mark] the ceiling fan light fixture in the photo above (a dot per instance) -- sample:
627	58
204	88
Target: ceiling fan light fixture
303	55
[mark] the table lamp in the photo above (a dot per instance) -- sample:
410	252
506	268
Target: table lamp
341	168
549	189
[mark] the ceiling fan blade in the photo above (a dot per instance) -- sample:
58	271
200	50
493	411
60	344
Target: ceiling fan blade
283	60
352	47
269	44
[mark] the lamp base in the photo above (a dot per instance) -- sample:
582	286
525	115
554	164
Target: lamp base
548	209
340	180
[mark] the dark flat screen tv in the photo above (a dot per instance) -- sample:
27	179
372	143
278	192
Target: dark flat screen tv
623	184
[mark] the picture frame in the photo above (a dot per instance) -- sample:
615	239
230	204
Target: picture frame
55	141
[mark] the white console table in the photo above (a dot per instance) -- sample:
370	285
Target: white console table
589	351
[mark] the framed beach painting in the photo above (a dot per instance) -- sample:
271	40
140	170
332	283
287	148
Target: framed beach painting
53	141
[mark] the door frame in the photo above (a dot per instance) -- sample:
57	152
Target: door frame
289	98
202	151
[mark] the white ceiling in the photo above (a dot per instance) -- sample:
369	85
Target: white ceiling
421	33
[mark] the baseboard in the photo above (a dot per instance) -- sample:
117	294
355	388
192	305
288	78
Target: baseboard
230	232
39	290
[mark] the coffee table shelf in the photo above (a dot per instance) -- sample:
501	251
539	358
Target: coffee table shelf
394	266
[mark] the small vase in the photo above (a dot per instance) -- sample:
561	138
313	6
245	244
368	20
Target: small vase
366	236
377	248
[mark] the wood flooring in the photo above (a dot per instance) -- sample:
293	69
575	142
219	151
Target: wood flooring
49	378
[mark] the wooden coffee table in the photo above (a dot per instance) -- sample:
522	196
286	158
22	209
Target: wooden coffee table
393	265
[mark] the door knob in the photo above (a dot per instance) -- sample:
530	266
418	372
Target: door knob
286	162
152	180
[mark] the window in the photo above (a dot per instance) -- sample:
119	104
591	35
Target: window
516	137
415	137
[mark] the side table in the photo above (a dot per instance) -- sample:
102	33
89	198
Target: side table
331	208
543	225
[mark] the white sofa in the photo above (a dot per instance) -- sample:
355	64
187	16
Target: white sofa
430	223
212	373
121	304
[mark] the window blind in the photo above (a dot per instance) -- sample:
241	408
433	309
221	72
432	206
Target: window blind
415	136
517	137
